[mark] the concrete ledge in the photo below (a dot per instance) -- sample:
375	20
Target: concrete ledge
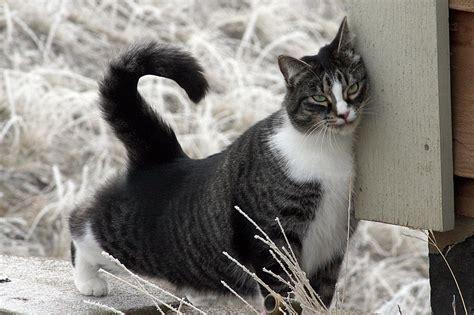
46	286
41	286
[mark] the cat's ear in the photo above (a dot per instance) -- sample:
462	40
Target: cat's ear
343	40
291	68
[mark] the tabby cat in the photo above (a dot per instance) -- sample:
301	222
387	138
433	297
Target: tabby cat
170	217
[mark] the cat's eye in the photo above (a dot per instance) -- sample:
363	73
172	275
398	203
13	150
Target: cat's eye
320	98
315	102
353	88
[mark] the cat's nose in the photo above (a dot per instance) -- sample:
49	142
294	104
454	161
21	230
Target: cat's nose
344	115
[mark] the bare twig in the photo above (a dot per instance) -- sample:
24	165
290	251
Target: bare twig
239	297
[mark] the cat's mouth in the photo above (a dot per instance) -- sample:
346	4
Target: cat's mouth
344	127
341	124
345	120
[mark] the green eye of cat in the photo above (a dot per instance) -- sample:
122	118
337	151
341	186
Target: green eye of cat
353	88
320	98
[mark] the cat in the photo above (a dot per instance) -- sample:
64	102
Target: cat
170	217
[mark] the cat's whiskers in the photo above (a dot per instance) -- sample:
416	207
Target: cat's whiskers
307	136
312	130
328	134
332	139
320	136
363	110
331	136
323	137
326	129
365	105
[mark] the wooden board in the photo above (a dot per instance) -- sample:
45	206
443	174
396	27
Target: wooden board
463	5
464	229
464	196
404	153
462	83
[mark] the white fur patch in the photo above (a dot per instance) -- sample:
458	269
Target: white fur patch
88	260
330	162
352	115
341	104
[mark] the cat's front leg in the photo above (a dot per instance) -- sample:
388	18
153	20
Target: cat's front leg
87	259
86	275
275	284
325	279
271	273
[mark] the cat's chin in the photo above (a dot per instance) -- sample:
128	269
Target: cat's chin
346	129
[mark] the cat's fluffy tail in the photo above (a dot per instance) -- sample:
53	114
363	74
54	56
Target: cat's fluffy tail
147	138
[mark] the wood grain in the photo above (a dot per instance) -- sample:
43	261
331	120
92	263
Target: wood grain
404	153
462	85
464	196
464	229
463	5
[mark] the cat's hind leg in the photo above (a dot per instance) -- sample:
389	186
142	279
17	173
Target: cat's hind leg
87	261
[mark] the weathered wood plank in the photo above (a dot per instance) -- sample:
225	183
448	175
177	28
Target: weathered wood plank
464	196
463	5
405	170
464	228
462	87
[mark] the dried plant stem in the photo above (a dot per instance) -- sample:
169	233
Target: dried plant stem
154	298
346	266
137	277
254	276
239	297
301	275
297	280
286	239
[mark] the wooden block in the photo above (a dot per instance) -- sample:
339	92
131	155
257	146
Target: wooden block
464	228
462	84
404	152
463	5
464	196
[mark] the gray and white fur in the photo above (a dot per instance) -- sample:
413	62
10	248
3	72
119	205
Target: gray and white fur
171	217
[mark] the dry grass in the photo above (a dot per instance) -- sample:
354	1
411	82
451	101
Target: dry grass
54	148
294	277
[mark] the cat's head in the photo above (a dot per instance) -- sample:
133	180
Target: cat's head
327	90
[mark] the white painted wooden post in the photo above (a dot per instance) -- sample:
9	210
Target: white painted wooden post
404	152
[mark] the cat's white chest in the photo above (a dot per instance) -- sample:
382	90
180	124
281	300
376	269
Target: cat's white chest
329	162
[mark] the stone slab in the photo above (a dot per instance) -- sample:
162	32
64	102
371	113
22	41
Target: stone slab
44	286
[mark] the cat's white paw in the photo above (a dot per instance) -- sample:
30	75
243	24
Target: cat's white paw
93	286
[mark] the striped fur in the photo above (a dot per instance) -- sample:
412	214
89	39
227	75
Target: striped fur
171	217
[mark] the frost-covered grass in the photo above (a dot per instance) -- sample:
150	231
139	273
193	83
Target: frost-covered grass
55	149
